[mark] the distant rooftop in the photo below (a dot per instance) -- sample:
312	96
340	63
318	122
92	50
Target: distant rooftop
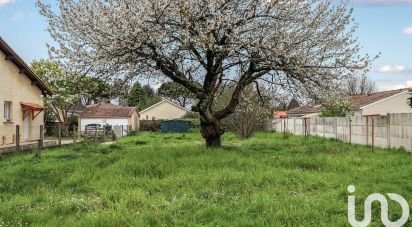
358	101
107	110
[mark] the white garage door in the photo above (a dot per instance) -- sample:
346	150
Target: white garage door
120	126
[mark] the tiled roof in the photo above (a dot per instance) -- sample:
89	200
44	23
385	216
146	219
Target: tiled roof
77	108
280	114
309	108
359	101
107	110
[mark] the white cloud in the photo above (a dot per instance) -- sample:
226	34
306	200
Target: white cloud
4	2
408	30
392	69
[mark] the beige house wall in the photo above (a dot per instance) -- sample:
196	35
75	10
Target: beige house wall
17	87
163	111
394	104
134	121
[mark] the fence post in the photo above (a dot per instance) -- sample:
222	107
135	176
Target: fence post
122	130
316	126
95	134
59	131
74	133
17	138
336	128
324	127
388	122
367	131
104	134
373	134
40	142
79	130
304	126
350	130
294	126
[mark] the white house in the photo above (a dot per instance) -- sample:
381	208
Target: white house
379	103
106	113
163	110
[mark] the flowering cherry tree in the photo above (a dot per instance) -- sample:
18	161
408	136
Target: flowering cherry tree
303	46
68	88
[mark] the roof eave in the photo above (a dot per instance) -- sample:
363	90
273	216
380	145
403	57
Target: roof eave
23	67
370	104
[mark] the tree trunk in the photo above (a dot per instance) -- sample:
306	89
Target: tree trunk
211	132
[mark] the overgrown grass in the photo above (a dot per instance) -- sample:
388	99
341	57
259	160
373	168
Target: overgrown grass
172	180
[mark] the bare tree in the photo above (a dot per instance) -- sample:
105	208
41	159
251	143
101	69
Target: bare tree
302	46
252	113
360	85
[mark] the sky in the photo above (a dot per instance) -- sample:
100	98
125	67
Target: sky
385	27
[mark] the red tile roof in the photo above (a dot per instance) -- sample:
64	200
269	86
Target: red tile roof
107	110
31	106
280	114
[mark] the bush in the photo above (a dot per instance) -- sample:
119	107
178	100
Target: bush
251	115
191	115
194	124
150	125
337	108
133	133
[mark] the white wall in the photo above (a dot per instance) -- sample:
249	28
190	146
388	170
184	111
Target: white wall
109	121
392	131
17	87
395	104
163	111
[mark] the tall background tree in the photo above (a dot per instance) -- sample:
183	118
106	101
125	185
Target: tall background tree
100	92
253	112
142	97
306	47
176	93
69	88
359	85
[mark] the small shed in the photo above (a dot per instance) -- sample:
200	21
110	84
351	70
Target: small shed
174	126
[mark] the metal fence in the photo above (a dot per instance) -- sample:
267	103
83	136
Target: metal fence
391	131
17	137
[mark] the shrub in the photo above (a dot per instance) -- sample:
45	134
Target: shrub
337	108
133	133
191	115
194	124
251	115
150	125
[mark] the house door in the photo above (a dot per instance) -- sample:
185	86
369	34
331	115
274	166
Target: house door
27	127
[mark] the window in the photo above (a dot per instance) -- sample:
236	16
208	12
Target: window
7	111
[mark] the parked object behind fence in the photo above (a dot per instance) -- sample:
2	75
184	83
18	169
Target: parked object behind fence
113	115
174	126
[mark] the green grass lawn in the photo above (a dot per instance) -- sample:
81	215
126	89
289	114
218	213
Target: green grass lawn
154	179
